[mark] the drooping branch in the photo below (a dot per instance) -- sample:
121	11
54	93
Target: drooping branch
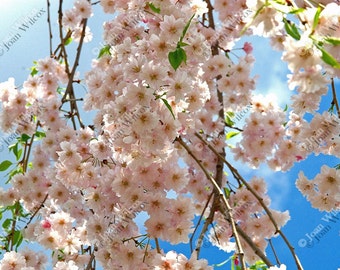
237	175
222	198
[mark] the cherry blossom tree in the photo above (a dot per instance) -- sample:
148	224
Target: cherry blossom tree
165	89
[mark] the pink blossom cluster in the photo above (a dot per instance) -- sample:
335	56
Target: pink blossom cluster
88	184
322	191
23	260
72	19
250	216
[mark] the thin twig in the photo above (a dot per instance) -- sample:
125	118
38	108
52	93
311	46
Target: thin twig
69	89
335	100
89	265
62	43
36	211
157	246
274	252
49	26
208	221
199	220
146	249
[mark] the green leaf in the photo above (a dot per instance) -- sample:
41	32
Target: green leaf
332	40
316	18
5	165
153	8
186	29
231	134
327	57
6	223
34	71
296	11
68	41
17	152
228	119
168	106
337	167
24	138
177	57
17	238
104	50
286	108
60	90
39	135
182	44
291	29
226	192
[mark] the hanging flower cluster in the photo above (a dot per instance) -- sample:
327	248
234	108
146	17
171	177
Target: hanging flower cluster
162	94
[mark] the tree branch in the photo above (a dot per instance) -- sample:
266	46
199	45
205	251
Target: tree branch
222	197
260	200
49	26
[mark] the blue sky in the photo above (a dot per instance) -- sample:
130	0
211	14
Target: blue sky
32	44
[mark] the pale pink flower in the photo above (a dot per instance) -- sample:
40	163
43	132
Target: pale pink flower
268	21
198	7
158	226
77	33
100	149
46	65
12	261
324	202
167	262
180	231
310	80
301	54
328	181
305	102
69	153
108	6
154	74
172	28
71	19
83	8
30	256
306	187
8	197
217	65
50	239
